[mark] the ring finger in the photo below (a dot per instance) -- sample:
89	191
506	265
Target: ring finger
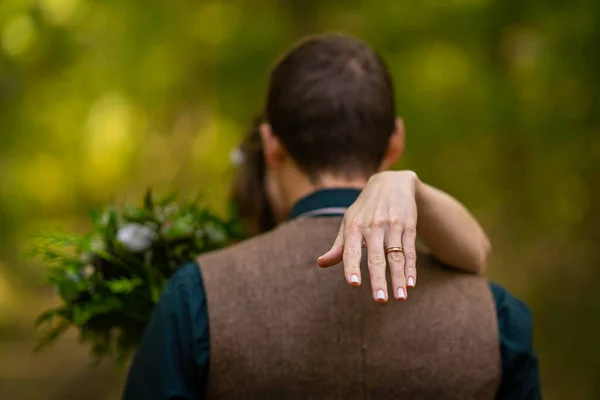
395	259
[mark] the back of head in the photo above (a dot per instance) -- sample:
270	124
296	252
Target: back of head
331	102
330	109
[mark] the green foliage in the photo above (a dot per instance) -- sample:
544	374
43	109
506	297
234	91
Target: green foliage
110	279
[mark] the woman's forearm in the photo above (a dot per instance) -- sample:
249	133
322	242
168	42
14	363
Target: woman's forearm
452	234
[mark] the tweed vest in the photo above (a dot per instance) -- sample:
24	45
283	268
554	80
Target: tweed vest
283	328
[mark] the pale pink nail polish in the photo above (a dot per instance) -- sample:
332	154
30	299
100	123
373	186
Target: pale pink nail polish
401	293
380	295
354	279
411	281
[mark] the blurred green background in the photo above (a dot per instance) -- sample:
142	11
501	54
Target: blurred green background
100	99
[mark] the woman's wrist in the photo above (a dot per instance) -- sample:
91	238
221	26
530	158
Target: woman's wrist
422	194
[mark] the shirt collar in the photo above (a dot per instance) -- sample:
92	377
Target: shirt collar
325	203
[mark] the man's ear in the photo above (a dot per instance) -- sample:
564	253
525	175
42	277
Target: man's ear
273	150
395	146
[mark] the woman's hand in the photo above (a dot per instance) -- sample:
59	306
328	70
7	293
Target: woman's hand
385	218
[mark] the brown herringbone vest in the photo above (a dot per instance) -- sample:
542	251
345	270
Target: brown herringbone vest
282	328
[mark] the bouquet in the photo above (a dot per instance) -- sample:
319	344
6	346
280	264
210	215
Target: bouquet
110	279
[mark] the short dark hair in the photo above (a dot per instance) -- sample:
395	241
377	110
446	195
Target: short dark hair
331	102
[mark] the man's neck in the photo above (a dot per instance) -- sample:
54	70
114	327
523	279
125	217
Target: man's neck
303	187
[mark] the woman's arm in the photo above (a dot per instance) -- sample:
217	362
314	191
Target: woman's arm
386	217
448	229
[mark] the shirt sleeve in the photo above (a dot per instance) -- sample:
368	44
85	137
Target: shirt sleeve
520	375
173	358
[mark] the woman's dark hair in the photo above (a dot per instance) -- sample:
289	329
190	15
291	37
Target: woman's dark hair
249	197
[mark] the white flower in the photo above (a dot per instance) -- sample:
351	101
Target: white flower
135	237
87	271
104	219
215	234
171	209
236	157
87	257
160	215
97	245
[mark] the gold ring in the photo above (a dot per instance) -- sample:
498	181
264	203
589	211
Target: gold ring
397	249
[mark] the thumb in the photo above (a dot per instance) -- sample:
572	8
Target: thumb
335	255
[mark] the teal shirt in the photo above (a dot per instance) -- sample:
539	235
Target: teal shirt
173	358
172	361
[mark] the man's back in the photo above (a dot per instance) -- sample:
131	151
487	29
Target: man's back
280	327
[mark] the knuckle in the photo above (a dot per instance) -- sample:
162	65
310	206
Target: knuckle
377	222
410	230
396	256
376	259
396	221
410	255
351	253
352	227
355	225
410	258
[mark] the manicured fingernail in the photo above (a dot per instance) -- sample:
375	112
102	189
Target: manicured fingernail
411	281
401	294
380	295
354	279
